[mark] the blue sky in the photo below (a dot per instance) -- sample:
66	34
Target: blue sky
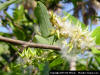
68	8
3	29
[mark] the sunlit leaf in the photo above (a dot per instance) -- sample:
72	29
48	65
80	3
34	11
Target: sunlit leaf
95	51
18	13
6	4
56	62
40	39
3	47
43	19
97	58
96	33
74	20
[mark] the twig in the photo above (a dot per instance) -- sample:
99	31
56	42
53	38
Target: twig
73	64
35	45
19	42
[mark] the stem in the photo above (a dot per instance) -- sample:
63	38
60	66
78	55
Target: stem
35	45
28	44
73	64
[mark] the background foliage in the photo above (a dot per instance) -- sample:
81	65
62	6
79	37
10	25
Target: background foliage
24	25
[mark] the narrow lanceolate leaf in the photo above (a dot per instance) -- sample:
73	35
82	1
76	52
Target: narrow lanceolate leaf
97	58
75	21
6	4
96	34
40	39
43	19
56	62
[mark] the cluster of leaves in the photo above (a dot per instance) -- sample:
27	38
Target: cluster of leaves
23	27
37	61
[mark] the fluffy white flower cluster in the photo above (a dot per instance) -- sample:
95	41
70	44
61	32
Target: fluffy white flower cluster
76	39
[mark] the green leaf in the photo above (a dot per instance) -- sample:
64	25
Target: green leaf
41	66
44	68
74	3
51	39
56	62
82	61
81	67
97	58
19	13
96	33
95	51
90	61
6	34
3	47
74	20
19	34
6	4
43	19
95	66
59	42
40	39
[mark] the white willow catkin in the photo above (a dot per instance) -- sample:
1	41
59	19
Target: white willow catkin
76	39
